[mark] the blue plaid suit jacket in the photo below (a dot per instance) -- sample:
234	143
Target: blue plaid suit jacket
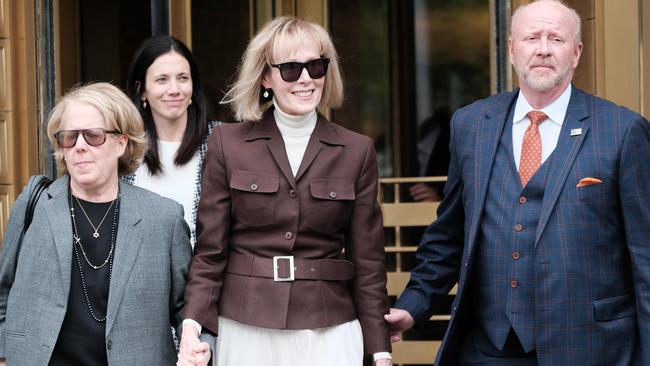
592	243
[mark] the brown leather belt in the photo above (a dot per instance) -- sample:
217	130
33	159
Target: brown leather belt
303	269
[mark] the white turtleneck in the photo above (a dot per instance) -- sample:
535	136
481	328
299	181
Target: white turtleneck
296	131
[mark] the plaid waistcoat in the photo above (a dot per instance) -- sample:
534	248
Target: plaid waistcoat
504	277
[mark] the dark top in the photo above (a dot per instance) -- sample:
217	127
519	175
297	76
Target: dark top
82	339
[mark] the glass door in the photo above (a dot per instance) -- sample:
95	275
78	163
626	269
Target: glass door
408	65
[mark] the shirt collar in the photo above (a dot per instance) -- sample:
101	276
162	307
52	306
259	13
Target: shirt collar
555	111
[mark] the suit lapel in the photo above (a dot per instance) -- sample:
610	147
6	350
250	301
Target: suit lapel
323	133
128	243
565	153
486	141
61	226
268	130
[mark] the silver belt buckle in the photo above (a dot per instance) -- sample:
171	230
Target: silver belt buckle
277	278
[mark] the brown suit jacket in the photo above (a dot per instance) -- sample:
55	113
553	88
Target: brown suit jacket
252	205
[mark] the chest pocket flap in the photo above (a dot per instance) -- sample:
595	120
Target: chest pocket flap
333	200
253	198
254	182
328	189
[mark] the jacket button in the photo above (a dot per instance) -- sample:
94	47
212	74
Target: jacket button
522	200
292	193
109	344
516	255
332	195
253	187
288	235
514	283
519	227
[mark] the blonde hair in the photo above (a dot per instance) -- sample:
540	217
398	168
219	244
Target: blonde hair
118	113
574	15
276	36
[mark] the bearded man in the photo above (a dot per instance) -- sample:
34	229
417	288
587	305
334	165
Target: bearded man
545	224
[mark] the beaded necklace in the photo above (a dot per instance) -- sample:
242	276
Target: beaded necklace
76	241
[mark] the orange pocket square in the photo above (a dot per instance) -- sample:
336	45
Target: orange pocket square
588	181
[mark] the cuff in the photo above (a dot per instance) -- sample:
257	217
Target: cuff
415	304
381	356
193	323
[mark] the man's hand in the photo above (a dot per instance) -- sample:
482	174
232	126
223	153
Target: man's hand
192	352
399	320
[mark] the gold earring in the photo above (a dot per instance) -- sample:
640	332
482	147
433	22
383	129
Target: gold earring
144	104
190	101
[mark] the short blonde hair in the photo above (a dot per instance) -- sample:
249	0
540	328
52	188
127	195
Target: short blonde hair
245	94
118	112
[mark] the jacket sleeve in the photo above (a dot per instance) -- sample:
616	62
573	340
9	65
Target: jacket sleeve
365	247
180	256
634	193
211	252
9	255
440	250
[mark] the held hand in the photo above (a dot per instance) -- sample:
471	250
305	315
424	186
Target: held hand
399	320
201	353
184	361
384	362
192	350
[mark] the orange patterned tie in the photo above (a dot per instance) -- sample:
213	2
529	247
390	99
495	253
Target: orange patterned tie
531	147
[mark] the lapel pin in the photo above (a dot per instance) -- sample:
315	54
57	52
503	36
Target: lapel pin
576	131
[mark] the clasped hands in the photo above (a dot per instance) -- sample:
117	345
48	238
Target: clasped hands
193	351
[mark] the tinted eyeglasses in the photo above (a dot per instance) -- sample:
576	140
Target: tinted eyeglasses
93	136
291	71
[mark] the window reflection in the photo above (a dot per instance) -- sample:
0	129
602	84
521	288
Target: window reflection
361	34
408	65
220	32
451	46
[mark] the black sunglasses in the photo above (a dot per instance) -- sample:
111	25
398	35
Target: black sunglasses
291	71
93	136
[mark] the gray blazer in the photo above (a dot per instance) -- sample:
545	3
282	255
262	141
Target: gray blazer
152	256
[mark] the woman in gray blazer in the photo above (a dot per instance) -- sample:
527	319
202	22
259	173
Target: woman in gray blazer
100	275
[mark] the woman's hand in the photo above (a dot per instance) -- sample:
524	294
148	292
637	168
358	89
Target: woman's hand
192	352
384	362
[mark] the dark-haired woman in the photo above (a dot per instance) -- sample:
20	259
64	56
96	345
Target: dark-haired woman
165	86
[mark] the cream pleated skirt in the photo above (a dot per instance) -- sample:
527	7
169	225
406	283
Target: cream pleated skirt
246	345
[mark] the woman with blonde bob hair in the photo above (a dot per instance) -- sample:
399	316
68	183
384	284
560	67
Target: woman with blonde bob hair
265	49
100	273
285	194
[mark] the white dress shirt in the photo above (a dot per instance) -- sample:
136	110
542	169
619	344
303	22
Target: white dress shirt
549	130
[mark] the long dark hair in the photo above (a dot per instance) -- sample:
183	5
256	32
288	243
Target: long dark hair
196	129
